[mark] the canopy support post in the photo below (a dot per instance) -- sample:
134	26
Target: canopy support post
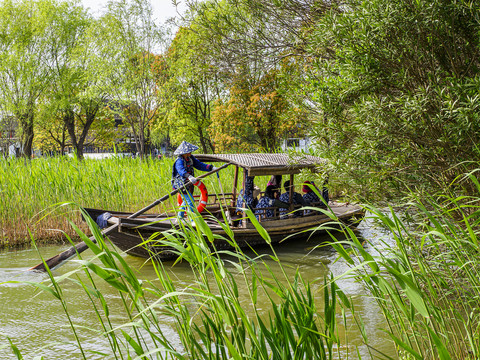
290	193
234	191
244	221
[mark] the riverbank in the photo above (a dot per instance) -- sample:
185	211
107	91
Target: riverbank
42	196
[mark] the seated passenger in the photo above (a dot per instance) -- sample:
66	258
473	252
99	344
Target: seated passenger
276	181
249	200
296	199
311	198
268	200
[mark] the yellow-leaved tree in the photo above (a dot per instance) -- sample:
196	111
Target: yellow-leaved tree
255	117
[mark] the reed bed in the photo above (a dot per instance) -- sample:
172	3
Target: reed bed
30	191
211	318
428	286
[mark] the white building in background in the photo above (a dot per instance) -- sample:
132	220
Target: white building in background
14	150
299	144
9	141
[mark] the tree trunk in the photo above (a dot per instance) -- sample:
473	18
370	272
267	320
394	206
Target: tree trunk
203	142
69	120
90	114
62	143
26	122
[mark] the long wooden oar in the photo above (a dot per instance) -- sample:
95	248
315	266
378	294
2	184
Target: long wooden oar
57	260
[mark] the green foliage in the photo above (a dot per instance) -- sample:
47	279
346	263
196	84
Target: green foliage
427	286
389	89
50	74
131	39
399	96
192	87
24	26
77	91
257	34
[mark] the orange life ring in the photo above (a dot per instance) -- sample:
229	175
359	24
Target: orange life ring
203	196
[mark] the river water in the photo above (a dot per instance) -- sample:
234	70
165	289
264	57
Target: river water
36	324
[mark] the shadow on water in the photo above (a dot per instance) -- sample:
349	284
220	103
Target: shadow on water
37	325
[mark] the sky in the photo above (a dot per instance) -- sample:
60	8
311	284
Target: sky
162	9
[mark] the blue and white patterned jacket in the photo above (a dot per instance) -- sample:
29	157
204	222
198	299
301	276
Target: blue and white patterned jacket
250	201
182	169
297	200
265	202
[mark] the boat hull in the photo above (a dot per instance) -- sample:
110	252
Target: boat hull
144	236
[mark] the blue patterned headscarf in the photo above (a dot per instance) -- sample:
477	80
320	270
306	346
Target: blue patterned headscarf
185	148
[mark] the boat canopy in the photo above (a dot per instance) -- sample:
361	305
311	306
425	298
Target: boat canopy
257	164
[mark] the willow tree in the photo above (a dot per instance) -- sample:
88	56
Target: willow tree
131	41
24	74
77	89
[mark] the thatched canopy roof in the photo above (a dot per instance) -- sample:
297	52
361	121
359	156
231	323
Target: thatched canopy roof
266	164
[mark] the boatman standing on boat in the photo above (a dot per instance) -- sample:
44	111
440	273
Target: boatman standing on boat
183	170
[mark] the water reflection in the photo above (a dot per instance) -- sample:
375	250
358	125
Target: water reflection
37	324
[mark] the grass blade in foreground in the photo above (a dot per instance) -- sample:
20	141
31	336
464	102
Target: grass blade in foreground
212	318
428	287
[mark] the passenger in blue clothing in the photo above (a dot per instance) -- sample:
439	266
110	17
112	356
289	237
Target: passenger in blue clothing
268	200
276	181
247	198
183	170
311	197
297	199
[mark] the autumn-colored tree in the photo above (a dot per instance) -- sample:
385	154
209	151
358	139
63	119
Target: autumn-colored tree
254	118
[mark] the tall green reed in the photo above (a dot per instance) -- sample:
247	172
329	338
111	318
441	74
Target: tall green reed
31	189
212	318
428	286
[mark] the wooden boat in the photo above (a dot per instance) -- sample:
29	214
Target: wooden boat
131	233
